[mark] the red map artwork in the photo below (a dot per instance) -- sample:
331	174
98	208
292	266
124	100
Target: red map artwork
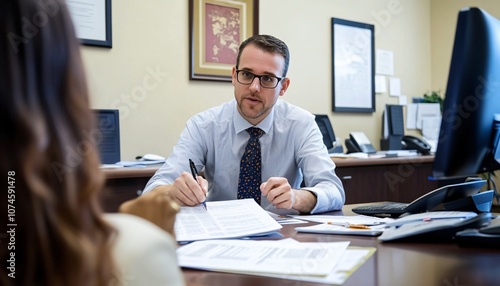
222	34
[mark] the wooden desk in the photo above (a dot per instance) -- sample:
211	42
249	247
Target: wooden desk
392	264
400	179
123	184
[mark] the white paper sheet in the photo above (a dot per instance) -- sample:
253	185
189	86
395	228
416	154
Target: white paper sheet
380	84
384	62
337	229
394	86
223	219
263	256
411	116
351	259
337	219
427	110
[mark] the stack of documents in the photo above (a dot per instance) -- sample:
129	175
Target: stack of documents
208	231
223	219
323	262
263	256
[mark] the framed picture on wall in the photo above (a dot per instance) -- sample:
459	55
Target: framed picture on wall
216	30
92	21
353	72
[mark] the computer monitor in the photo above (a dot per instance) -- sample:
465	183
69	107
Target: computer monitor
468	138
108	139
326	129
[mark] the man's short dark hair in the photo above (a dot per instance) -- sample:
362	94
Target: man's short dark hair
269	44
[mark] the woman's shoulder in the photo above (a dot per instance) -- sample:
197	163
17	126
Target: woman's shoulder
144	254
137	233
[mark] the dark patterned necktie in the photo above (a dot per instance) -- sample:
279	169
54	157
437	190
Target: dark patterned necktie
250	167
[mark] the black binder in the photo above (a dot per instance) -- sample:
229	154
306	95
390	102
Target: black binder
395	128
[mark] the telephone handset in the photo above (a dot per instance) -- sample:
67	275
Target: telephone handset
358	142
412	142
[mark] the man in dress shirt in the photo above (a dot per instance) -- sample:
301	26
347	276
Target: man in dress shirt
297	172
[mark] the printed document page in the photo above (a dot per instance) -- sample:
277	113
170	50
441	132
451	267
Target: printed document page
223	219
263	256
338	219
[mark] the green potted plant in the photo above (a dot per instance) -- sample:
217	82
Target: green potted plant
434	97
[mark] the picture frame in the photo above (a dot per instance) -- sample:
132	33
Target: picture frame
216	30
92	21
353	66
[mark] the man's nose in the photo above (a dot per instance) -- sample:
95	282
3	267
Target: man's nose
255	85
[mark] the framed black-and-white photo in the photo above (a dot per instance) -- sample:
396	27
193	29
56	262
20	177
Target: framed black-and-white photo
353	72
92	21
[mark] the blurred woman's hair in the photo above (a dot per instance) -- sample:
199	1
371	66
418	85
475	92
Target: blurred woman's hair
47	147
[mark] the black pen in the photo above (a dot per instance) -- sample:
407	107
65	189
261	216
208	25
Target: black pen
194	172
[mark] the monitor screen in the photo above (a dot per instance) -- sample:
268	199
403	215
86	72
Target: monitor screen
108	131
468	140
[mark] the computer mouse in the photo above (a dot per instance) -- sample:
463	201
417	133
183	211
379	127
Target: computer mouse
153	157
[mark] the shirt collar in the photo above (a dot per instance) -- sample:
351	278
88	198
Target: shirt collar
241	124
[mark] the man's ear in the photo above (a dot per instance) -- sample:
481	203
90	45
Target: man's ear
284	86
233	76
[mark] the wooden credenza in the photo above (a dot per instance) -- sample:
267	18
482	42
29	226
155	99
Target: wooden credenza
400	179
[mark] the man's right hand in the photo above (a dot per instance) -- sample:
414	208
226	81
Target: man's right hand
185	190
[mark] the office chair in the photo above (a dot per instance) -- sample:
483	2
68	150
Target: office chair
108	124
325	126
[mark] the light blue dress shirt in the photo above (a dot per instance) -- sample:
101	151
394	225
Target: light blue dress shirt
292	147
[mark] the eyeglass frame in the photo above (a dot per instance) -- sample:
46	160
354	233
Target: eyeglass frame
259	77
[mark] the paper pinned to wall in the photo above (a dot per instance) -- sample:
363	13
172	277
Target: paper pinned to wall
403	100
416	112
431	127
380	84
411	116
427	110
394	86
384	62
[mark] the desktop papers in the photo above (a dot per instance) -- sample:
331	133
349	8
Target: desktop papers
337	229
346	261
333	224
351	219
223	219
263	256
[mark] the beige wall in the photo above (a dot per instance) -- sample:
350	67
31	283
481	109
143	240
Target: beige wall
444	20
146	73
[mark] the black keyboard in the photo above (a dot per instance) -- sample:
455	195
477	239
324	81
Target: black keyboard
382	208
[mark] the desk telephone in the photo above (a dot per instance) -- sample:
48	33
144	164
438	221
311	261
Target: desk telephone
456	197
414	143
358	142
434	226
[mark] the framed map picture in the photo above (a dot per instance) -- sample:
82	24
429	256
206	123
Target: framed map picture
353	75
216	30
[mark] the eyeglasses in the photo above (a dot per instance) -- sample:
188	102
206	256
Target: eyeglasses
266	81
